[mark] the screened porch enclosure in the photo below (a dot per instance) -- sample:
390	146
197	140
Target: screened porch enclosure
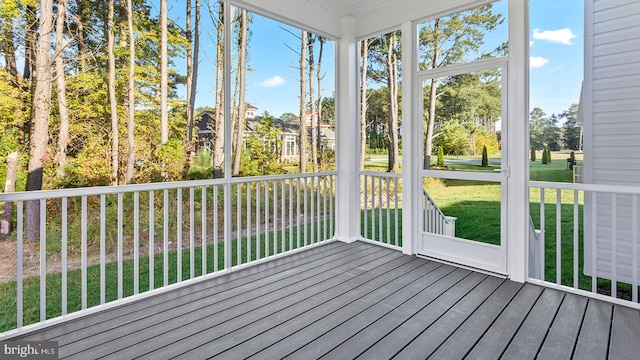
338	263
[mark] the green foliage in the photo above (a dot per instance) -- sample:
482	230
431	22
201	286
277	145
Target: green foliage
533	153
548	155
545	156
570	129
572	155
202	167
466	138
172	155
440	156
261	155
485	157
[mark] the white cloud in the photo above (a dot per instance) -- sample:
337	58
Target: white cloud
560	36
537	61
272	82
531	43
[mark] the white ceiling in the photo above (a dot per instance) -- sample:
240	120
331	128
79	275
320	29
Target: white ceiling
372	17
357	8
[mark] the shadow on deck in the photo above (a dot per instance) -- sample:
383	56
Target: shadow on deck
343	301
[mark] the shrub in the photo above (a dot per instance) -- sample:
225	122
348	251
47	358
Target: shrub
545	156
440	156
202	167
572	155
485	157
533	153
548	155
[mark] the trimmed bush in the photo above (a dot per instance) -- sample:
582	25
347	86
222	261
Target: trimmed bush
440	156
533	153
548	155
545	156
485	157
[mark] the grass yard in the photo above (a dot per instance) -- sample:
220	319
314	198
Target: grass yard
267	245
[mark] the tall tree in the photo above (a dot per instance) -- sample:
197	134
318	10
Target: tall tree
241	71
63	111
364	53
445	41
572	131
193	49
312	102
113	102
41	107
131	158
164	74
218	126
319	77
302	135
392	76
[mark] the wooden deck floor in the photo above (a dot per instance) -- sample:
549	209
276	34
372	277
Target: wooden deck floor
344	301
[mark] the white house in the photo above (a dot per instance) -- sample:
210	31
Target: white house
611	111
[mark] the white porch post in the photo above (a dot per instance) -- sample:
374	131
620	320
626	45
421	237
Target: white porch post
518	140
411	148
347	135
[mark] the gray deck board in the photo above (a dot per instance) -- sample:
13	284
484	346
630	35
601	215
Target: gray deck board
593	341
430	339
563	334
345	301
625	328
527	341
397	339
216	318
463	339
369	333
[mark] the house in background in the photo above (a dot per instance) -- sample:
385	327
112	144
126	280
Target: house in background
289	149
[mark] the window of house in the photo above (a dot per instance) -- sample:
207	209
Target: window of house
290	146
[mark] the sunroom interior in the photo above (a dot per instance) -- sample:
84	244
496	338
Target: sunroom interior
293	220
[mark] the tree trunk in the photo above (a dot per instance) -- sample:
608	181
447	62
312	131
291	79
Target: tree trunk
428	140
113	104
63	135
164	74
189	38
312	102
218	126
392	73
319	79
9	187
41	110
363	102
82	46
193	84
131	158
242	69
28	84
302	135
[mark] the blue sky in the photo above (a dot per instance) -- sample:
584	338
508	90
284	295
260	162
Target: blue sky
556	51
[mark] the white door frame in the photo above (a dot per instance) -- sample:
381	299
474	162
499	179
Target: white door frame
470	253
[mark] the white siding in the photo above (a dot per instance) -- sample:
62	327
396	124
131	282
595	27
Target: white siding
612	128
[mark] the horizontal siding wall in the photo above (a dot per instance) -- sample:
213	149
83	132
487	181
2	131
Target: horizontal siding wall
616	92
614	133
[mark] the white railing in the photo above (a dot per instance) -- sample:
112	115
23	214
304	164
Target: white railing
381	206
96	246
587	241
434	221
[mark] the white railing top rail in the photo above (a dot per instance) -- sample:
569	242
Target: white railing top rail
620	189
104	190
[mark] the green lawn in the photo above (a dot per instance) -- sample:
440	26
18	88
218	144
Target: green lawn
31	286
